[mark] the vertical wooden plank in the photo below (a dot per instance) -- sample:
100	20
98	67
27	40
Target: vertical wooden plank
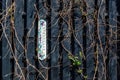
19	33
66	39
90	39
6	72
43	64
54	18
78	35
55	67
6	43
30	55
112	40
66	62
29	38
55	59
101	40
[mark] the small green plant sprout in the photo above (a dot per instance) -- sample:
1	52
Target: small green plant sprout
77	62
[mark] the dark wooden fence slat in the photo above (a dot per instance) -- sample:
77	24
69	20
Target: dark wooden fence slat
90	39
78	36
55	67
30	41
66	49
43	11
19	33
101	30
66	40
54	18
6	71
66	62
112	40
55	59
6	50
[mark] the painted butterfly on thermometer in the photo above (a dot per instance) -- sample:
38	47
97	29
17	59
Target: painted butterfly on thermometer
42	42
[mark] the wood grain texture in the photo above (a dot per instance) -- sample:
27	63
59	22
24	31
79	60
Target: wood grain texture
18	38
29	33
91	30
112	41
6	44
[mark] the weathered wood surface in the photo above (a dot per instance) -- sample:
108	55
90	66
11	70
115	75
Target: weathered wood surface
89	27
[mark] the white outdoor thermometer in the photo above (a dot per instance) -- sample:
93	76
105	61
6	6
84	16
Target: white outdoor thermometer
42	33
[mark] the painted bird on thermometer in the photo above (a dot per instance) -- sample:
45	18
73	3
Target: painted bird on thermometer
42	42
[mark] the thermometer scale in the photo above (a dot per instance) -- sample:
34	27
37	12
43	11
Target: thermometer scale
42	49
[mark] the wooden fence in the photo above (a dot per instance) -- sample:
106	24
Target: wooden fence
86	30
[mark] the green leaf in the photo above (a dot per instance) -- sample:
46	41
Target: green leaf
78	63
79	71
71	58
81	55
85	77
76	57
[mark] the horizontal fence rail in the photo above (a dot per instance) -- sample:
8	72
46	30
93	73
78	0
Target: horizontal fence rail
82	40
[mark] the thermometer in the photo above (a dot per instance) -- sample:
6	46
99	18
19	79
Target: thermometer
42	33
